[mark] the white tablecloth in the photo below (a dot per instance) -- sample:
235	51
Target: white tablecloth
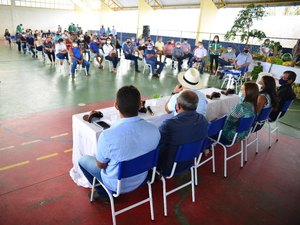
85	135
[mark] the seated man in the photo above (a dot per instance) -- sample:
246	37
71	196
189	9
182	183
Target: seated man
285	92
168	49
189	80
186	127
186	48
76	54
61	51
151	58
128	138
243	60
200	54
129	51
94	47
30	43
227	59
177	55
159	47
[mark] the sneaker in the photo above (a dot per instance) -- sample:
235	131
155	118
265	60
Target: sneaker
101	67
156	75
138	71
96	197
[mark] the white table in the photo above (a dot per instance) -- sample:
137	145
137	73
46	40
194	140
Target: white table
85	135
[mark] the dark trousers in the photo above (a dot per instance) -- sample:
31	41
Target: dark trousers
19	45
114	60
51	56
134	58
188	56
179	60
212	59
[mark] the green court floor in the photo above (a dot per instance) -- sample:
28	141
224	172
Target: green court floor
31	86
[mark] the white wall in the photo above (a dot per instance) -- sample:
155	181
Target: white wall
39	18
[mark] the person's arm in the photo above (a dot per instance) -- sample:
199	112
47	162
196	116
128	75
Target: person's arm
103	152
261	101
172	100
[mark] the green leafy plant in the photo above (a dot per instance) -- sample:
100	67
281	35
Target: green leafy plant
256	70
243	23
276	47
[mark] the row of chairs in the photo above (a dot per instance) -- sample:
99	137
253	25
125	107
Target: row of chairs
192	153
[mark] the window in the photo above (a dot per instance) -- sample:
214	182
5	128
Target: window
5	2
49	4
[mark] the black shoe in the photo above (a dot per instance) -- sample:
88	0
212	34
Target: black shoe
96	197
156	75
138	71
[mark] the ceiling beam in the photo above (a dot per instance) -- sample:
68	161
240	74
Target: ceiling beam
155	4
265	3
113	4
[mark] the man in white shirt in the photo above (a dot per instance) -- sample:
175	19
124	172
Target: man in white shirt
199	56
159	47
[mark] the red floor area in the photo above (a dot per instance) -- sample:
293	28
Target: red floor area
265	191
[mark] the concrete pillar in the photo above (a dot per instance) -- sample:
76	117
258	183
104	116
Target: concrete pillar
206	24
144	16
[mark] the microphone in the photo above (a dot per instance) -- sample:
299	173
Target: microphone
150	110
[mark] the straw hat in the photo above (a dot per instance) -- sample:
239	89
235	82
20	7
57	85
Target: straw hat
190	79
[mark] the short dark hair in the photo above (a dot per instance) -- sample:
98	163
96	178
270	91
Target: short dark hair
129	100
188	100
291	75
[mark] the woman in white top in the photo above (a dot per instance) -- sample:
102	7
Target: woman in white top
110	54
61	51
268	96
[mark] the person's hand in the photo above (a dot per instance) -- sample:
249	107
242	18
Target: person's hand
237	67
178	88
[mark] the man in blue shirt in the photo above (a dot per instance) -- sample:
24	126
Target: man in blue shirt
76	54
243	60
189	80
30	42
128	50
128	138
102	30
94	48
186	127
151	58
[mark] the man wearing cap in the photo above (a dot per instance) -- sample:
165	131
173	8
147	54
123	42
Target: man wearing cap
186	127
243	60
188	80
151	58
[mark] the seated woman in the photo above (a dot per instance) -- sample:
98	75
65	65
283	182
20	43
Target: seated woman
49	49
268	96
61	51
247	108
110	54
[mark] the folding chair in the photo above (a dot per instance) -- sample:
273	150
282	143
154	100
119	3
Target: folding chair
233	78
185	153
128	169
283	109
257	125
110	65
214	130
146	65
244	126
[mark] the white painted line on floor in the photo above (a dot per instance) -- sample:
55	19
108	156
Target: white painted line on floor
59	135
81	104
30	142
5	148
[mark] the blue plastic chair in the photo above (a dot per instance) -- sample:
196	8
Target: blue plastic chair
214	130
185	153
257	125
244	126
127	169
283	109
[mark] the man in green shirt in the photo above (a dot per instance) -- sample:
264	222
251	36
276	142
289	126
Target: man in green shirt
19	28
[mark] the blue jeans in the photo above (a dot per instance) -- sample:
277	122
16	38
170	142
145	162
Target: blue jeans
62	56
195	60
85	63
31	49
154	64
90	169
114	60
